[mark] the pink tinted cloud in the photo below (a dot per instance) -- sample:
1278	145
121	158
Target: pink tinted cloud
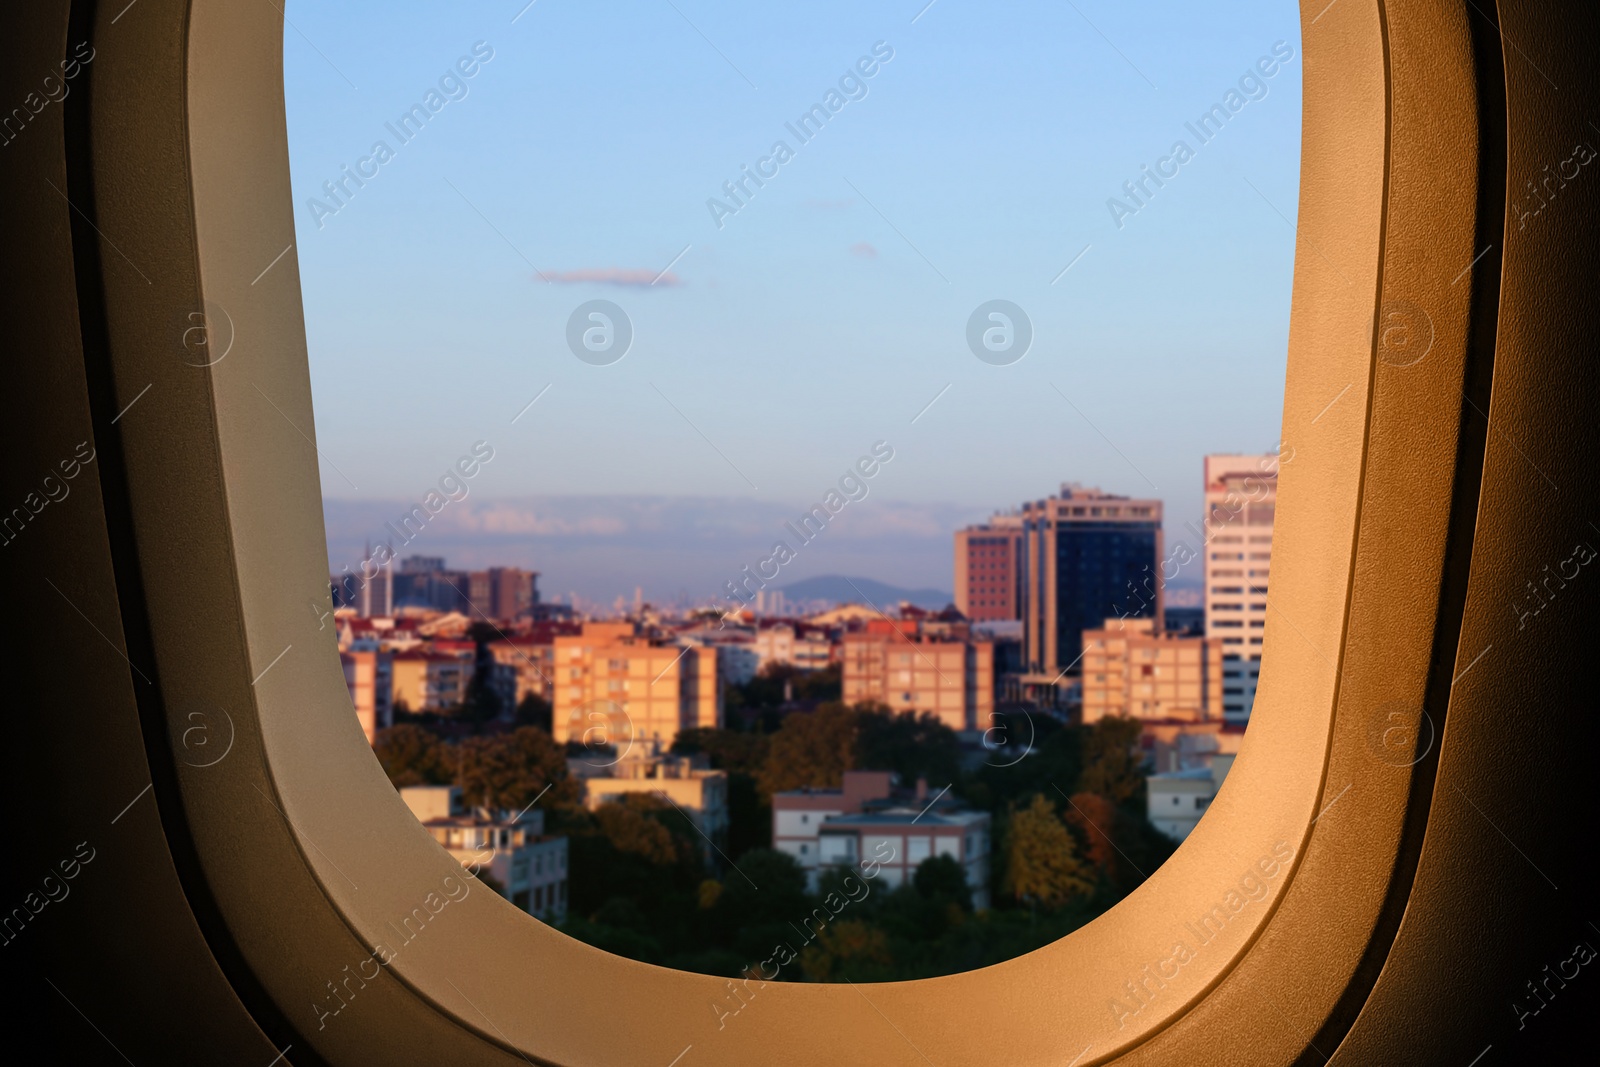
864	250
637	279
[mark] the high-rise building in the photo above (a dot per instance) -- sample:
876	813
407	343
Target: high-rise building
425	582
1086	556
375	596
988	569
615	685
503	592
1241	498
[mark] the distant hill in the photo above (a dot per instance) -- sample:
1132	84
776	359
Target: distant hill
840	590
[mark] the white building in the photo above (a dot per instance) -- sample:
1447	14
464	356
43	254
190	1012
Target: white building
529	866
1176	800
1241	499
808	649
864	821
899	839
798	815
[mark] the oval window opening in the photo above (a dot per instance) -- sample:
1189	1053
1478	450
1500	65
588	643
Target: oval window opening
799	484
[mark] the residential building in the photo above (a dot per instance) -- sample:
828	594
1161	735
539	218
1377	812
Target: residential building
1177	745
901	838
1176	799
528	865
845	615
797	816
1086	556
369	675
503	592
799	644
1189	761
1132	671
430	681
950	675
687	782
737	658
988	569
1241	501
866	819
531	655
616	683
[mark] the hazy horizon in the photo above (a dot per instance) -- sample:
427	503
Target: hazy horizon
966	154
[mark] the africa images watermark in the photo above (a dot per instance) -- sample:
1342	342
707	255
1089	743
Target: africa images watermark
1252	86
55	890
452	86
55	490
54	90
852	85
1140	991
411	927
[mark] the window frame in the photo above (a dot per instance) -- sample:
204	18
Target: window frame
181	146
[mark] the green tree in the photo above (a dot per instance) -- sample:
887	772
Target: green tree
484	703
513	770
534	710
1042	866
942	880
1113	760
742	756
912	746
411	755
848	950
1095	818
760	899
729	750
641	825
813	748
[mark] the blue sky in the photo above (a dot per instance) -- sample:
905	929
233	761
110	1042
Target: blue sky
832	307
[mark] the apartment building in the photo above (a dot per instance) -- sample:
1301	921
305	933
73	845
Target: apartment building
528	865
797	815
866	820
900	839
1241	501
1133	671
1086	556
615	684
737	658
647	769
430	681
803	646
531	654
988	569
909	671
369	675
